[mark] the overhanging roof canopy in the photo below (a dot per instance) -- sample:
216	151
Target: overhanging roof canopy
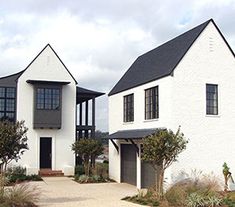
48	82
132	134
84	94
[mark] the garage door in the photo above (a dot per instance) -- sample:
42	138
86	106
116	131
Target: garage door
128	164
147	175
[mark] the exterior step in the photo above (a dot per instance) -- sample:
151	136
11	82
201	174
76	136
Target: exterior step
50	173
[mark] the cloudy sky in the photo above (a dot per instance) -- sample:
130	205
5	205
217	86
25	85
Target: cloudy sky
99	39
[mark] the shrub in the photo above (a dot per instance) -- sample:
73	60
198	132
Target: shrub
101	169
83	179
18	174
16	170
79	170
150	198
21	195
213	201
176	195
96	178
195	200
189	191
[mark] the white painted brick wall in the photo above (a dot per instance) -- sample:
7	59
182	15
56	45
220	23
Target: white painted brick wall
183	102
48	67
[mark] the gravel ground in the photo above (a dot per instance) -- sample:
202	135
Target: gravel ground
63	191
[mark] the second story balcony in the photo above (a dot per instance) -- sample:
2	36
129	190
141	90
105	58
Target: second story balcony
85	128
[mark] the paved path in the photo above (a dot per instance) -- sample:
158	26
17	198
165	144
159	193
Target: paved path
63	191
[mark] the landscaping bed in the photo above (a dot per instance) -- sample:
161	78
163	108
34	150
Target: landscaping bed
98	175
18	175
201	191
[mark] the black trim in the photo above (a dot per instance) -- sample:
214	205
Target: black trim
115	145
48	82
136	147
223	37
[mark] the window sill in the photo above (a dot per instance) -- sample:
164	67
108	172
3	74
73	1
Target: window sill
151	120
126	123
213	116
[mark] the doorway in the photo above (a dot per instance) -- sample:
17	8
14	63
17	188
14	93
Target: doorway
45	152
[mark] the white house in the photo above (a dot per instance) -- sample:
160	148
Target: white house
187	81
45	96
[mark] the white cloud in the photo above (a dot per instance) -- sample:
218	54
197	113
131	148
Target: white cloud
99	40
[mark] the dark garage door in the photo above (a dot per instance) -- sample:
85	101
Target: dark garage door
147	175
128	164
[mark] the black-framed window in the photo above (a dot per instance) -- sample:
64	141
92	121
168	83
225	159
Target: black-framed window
48	98
8	103
128	103
211	99
151	103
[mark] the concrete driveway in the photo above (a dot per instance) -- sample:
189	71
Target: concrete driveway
63	191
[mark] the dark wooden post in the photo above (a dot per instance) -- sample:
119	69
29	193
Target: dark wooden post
93	118
86	119
80	120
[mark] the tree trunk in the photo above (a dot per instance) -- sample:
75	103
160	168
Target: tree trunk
159	176
86	166
161	180
93	161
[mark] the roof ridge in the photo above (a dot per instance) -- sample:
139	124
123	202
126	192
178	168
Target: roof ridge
180	35
48	45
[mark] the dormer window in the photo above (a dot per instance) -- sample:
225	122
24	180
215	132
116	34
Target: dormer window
48	98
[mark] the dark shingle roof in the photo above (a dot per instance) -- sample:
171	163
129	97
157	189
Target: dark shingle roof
159	62
84	94
132	134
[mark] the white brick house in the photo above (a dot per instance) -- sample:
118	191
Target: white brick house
45	95
187	81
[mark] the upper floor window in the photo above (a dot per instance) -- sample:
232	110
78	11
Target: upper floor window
128	108
151	103
211	99
7	103
48	98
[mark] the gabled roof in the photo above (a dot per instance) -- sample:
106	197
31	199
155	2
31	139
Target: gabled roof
161	61
48	45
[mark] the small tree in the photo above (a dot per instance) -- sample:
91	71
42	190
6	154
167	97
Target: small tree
13	142
87	149
162	149
227	175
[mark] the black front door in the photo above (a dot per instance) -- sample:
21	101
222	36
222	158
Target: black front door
45	152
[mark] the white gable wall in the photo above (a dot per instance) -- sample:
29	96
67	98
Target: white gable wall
183	102
48	67
211	138
116	119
